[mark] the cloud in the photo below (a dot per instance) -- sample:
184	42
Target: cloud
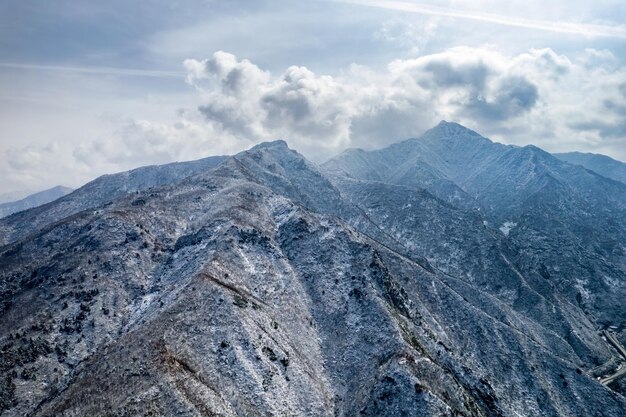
610	124
127	72
532	97
320	114
589	30
410	35
240	99
33	168
513	97
231	75
142	142
447	73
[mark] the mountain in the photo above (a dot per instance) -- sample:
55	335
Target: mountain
602	164
264	284
101	191
13	196
34	200
470	166
556	213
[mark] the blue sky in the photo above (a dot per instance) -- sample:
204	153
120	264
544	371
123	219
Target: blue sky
90	87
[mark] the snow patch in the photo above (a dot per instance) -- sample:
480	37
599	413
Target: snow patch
506	228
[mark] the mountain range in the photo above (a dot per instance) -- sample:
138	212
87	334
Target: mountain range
442	275
33	200
601	164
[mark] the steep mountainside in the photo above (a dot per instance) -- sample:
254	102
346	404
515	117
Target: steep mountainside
265	286
34	200
569	222
602	164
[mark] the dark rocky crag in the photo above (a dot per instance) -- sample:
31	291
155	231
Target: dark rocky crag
445	275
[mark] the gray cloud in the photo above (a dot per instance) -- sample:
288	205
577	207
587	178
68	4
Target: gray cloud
525	97
445	74
390	122
514	96
615	106
606	129
361	107
603	117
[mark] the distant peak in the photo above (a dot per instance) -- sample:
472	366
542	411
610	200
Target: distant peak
349	151
454	127
444	124
61	188
273	144
450	129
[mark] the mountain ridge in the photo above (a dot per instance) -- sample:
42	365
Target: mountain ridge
602	164
262	283
99	191
34	200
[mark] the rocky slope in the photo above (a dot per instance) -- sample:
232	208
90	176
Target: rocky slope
567	221
265	286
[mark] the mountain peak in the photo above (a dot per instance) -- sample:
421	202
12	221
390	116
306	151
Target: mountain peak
272	144
447	129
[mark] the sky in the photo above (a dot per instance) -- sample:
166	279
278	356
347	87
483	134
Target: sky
92	87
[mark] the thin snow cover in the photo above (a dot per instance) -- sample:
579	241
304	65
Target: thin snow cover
506	227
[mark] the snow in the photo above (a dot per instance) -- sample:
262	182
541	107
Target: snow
506	227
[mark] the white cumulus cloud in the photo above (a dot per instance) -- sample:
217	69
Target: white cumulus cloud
539	96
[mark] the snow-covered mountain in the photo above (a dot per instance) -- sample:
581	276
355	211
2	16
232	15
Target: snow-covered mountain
444	275
602	164
102	191
554	212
